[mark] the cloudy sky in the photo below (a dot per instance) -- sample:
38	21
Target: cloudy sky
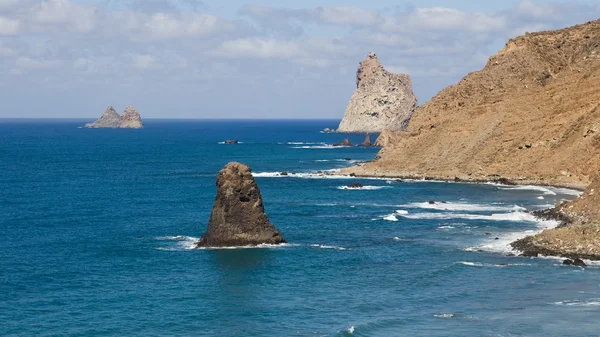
245	58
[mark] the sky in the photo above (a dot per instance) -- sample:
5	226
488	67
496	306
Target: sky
245	58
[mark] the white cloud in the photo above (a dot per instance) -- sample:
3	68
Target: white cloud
28	63
63	13
259	48
143	61
9	26
347	16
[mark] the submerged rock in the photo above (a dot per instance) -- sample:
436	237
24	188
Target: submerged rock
131	119
109	119
366	142
355	185
231	141
382	100
345	142
238	216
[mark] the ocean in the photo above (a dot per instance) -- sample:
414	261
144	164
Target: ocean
97	231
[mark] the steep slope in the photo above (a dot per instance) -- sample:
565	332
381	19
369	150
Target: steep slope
381	101
531	115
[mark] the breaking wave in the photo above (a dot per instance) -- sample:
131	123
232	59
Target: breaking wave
458	206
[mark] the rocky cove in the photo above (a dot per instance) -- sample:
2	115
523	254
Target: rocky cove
530	116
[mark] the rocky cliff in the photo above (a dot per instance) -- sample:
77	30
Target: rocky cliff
238	216
110	119
382	100
532	114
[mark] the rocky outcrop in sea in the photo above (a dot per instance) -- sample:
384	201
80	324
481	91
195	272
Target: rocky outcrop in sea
366	142
110	119
238	216
382	100
131	119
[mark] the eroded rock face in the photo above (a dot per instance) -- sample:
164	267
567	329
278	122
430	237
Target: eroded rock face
131	119
109	119
238	216
382	100
345	142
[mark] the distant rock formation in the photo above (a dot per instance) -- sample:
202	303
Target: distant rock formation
131	119
238	216
110	119
231	141
382	100
345	142
366	142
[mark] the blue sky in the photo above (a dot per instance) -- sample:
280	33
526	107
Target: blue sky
245	58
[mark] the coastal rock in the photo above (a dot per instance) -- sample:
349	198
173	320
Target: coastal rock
231	141
474	128
345	142
131	119
238	216
109	119
382	100
355	185
366	142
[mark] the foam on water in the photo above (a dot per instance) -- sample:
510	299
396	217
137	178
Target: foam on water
443	316
183	242
390	217
401	212
514	216
479	264
460	206
594	302
542	189
328	147
327	247
364	188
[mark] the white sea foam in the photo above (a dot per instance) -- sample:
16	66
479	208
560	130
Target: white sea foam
542	189
479	264
183	242
401	212
328	247
566	191
364	188
304	143
514	216
460	206
446	227
443	315
261	246
390	217
594	302
351	330
316	147
540	197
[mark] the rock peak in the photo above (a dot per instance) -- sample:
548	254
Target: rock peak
238	216
109	119
131	119
382	100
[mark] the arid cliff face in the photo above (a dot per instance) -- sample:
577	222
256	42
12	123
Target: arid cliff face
531	115
382	100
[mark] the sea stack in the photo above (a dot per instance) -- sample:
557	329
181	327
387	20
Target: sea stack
131	119
238	216
366	142
109	119
382	100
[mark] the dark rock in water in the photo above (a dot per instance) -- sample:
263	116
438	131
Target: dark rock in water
579	262
231	141
347	159
530	254
283	174
366	142
431	202
345	142
504	181
328	130
568	262
355	185
238	216
353	174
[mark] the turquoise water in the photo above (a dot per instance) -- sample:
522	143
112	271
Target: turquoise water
97	227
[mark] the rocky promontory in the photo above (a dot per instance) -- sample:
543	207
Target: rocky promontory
382	100
578	237
238	215
110	119
531	115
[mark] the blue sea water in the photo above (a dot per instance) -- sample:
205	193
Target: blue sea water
97	228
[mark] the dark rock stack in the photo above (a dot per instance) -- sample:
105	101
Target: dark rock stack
366	142
345	142
238	216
